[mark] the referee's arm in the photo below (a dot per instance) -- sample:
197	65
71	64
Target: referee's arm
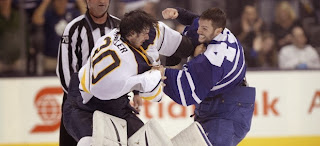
65	66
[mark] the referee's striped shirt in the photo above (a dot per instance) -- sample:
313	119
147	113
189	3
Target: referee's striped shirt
77	41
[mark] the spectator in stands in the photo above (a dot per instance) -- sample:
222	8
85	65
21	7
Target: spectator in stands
316	5
299	54
265	48
11	39
285	20
33	40
310	14
234	8
197	6
53	19
251	25
148	6
35	37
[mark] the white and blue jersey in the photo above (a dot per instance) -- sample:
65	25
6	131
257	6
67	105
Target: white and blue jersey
219	69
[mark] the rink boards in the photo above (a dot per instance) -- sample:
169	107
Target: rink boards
287	110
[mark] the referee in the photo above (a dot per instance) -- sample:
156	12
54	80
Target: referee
77	41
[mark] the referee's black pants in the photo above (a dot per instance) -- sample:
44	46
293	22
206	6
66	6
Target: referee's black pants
65	139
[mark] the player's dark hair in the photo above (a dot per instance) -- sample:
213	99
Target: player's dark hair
216	15
136	21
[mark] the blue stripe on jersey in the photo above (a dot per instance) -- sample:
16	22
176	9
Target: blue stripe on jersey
182	93
195	76
171	88
218	70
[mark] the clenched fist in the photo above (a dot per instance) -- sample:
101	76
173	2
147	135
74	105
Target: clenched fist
170	13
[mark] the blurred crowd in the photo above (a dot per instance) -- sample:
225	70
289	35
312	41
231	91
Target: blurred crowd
275	34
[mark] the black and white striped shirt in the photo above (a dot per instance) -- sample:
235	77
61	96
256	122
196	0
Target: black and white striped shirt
77	41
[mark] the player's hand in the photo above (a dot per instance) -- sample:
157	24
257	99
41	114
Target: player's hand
161	69
170	13
199	49
137	102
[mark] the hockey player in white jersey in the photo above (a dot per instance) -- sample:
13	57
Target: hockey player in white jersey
120	63
119	77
